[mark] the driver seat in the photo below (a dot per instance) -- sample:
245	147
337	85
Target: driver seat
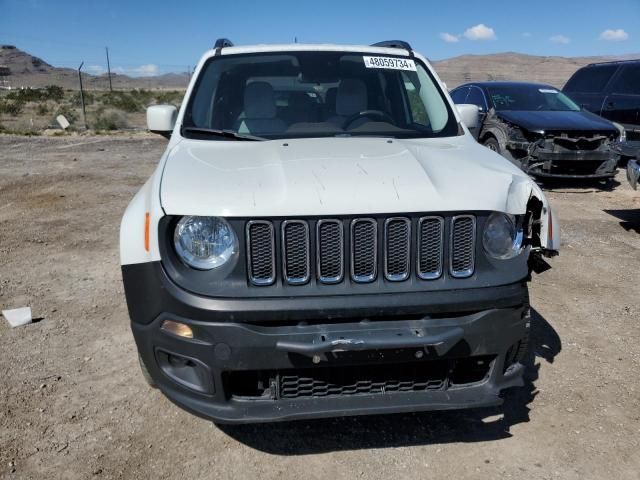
351	98
260	113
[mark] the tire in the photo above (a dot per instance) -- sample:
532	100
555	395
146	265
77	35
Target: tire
145	373
493	145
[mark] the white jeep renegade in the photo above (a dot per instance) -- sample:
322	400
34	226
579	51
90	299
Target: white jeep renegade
324	237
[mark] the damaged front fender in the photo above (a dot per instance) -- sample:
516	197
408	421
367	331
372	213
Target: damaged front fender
544	228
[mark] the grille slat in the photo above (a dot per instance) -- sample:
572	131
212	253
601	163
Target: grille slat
364	250
261	252
430	247
295	251
337	243
462	247
330	251
397	248
349	381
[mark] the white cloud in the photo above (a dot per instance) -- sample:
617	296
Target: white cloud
480	32
527	34
449	38
147	70
559	39
614	35
96	69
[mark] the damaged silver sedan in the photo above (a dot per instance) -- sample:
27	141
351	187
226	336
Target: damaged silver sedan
542	130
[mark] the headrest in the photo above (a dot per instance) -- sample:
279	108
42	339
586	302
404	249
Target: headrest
351	97
259	101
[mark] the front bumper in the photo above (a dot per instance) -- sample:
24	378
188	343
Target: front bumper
633	173
587	165
385	360
556	162
222	349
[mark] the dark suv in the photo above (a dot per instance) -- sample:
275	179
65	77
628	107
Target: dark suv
611	90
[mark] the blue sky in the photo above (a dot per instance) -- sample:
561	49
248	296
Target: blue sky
149	37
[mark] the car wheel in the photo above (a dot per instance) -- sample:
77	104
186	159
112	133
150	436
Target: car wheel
492	144
145	373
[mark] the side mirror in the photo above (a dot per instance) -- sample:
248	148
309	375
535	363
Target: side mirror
469	115
161	119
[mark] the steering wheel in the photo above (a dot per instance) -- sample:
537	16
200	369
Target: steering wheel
367	113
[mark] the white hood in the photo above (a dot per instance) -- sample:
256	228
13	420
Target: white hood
338	176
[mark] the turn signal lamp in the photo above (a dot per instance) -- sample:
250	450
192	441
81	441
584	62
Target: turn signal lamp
176	328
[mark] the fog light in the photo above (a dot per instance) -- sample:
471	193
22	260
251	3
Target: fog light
176	328
188	372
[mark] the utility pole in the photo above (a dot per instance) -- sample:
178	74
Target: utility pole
84	112
109	69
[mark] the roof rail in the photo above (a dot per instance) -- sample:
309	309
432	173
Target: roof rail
626	60
394	44
222	43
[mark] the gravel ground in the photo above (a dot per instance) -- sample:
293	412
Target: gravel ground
74	405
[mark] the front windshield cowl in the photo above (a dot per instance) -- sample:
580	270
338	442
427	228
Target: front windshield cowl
279	95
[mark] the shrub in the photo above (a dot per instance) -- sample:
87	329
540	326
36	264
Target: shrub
42	109
169	97
54	92
88	99
122	101
110	120
11	108
50	92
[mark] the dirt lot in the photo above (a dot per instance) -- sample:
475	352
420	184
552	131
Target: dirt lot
73	403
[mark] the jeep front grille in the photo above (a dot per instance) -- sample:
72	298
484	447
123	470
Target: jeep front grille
328	250
364	250
261	251
397	246
461	251
430	241
295	245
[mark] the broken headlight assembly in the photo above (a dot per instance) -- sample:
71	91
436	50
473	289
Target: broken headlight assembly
502	238
205	243
623	133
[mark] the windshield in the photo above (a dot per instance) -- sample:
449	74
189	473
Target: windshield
530	97
315	94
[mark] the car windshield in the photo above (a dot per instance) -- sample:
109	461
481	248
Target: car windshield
530	97
316	94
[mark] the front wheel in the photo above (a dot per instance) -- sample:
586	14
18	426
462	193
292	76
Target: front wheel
493	145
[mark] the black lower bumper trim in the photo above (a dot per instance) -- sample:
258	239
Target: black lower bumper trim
232	349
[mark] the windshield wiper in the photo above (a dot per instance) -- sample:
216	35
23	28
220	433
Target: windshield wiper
221	133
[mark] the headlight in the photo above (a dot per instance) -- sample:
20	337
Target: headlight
205	242
501	238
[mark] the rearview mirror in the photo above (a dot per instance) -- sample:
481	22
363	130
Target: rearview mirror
469	115
161	119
